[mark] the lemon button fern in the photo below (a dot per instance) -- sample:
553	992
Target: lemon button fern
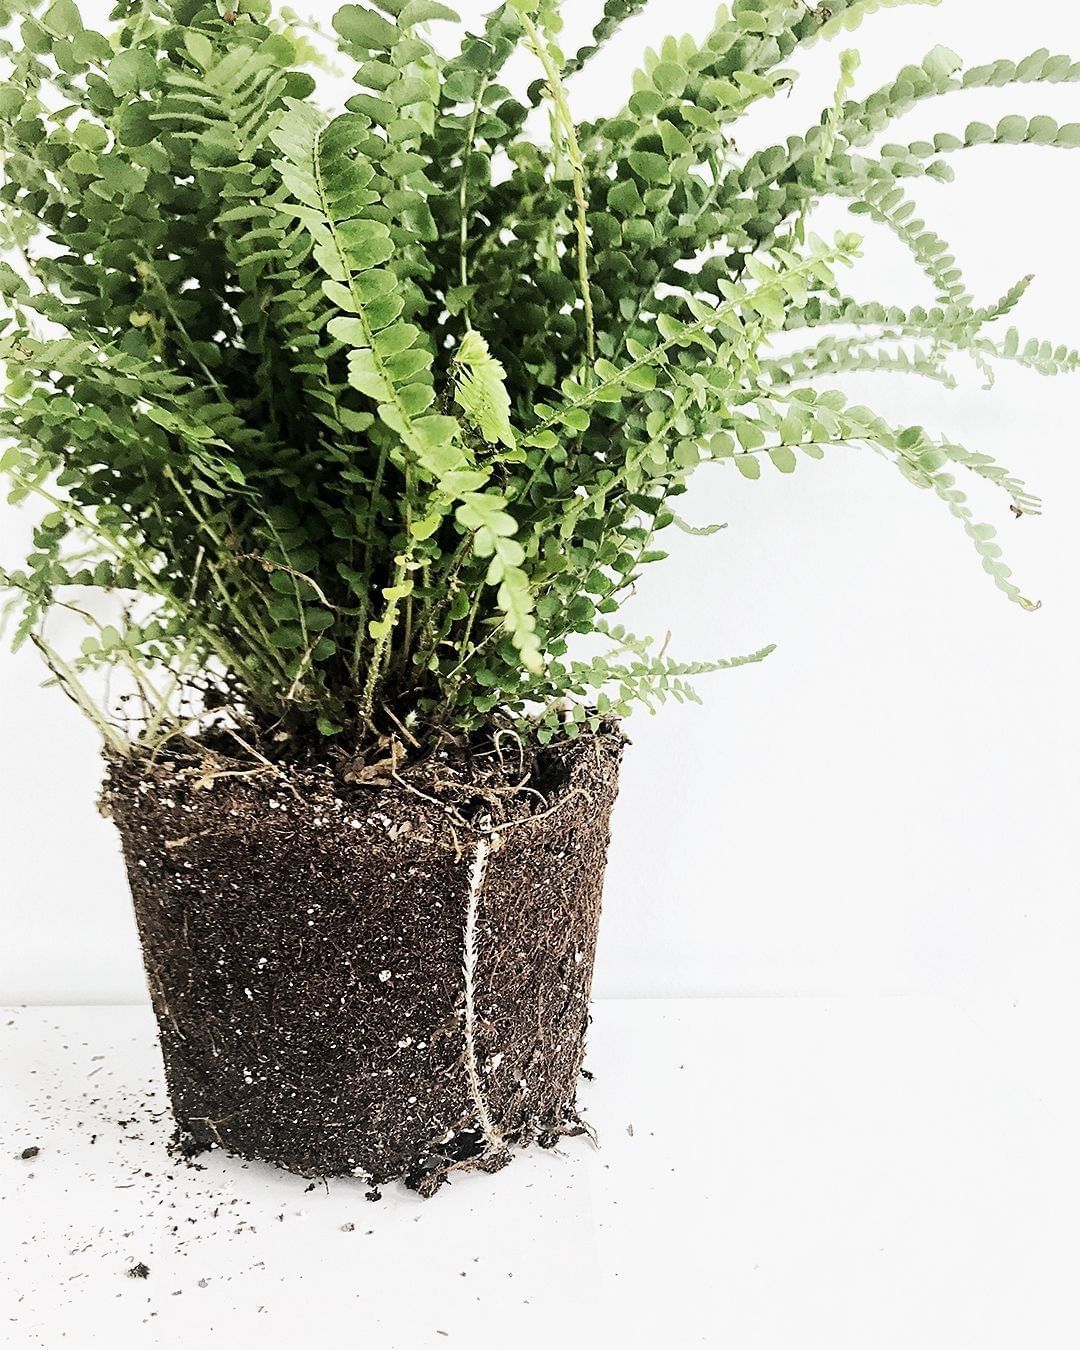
359	419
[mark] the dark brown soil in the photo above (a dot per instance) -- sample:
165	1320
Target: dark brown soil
389	981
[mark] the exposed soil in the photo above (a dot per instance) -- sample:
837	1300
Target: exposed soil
351	977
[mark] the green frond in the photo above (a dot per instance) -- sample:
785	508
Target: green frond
985	466
481	391
697	531
925	462
615	686
939	74
616	13
389	361
1010	130
889	205
1042	356
835	356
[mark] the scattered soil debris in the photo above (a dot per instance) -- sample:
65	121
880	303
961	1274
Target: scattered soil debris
139	1271
348	1228
30	1152
373	1196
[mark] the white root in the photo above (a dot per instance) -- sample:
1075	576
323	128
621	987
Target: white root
477	878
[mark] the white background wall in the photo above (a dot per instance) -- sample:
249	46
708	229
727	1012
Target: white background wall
890	802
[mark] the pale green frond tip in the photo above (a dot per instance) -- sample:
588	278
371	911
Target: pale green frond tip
754	658
697	531
481	391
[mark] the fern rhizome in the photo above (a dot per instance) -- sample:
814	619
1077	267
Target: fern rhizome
361	419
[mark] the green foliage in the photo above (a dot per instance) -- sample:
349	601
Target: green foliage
360	421
481	392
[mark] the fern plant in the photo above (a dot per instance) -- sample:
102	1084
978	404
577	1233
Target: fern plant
360	419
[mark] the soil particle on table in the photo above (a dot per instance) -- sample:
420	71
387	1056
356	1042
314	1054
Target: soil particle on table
30	1152
384	982
173	1215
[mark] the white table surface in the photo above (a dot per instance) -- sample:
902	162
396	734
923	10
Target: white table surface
773	1174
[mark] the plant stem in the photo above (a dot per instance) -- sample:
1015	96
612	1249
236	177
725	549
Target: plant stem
71	685
577	171
470	142
369	545
240	619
